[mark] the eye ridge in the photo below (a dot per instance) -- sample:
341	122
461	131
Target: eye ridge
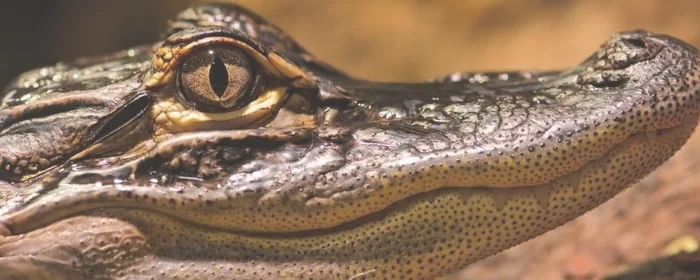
218	76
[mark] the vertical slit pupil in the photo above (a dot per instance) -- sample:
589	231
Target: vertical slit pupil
218	76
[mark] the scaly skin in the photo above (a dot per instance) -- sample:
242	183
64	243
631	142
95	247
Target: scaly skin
324	176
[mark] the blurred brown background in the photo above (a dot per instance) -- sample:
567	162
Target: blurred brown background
387	40
416	40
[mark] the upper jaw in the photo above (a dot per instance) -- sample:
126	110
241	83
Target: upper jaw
629	60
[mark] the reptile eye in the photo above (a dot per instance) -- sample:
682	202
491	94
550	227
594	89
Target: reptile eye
218	79
214	78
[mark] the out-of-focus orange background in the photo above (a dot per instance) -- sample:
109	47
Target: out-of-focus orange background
414	40
383	39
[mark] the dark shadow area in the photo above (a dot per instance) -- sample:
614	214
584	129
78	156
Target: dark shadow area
39	32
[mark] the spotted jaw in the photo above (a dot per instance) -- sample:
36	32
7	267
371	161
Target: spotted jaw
464	225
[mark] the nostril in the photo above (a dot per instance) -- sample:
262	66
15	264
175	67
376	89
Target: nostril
639	43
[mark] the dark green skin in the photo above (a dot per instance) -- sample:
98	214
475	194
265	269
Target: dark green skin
216	214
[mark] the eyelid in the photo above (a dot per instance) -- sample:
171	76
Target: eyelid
168	58
190	120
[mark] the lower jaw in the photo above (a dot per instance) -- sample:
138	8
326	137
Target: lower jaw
423	236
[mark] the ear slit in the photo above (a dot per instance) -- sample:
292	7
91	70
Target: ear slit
134	109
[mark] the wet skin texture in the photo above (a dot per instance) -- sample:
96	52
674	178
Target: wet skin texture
226	151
